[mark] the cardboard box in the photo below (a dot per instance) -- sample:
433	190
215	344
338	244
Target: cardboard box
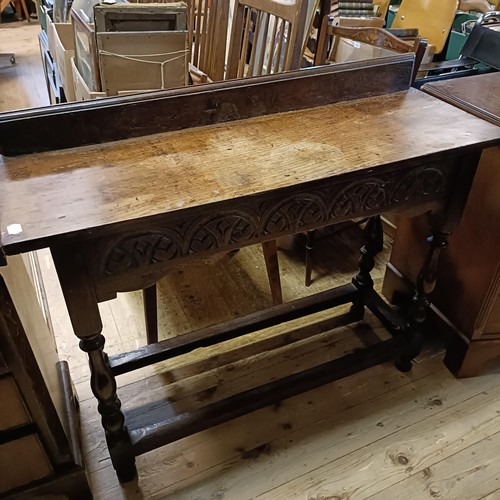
63	44
82	91
351	50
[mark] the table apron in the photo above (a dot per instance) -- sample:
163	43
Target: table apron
138	257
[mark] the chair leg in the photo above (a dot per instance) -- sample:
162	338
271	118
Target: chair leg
309	248
273	270
21	9
150	314
25	10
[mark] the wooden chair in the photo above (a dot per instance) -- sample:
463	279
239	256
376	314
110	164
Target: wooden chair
20	7
266	37
376	37
432	18
209	20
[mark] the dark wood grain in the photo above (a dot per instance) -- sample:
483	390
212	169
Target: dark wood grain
81	193
478	94
112	119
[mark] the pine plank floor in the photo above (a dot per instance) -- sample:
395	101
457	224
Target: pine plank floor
378	434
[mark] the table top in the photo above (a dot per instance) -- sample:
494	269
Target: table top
478	94
46	195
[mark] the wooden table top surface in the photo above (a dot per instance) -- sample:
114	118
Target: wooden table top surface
478	94
46	195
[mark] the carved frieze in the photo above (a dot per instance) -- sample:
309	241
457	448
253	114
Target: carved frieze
282	215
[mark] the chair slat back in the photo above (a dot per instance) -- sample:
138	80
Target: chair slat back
208	29
266	37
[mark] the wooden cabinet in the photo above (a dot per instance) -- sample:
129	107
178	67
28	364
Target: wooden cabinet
467	297
39	451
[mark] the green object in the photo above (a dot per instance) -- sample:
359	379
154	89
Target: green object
455	45
462	17
391	14
458	36
42	15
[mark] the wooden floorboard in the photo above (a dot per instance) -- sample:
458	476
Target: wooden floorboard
378	434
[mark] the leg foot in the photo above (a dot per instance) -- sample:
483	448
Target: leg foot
122	457
357	311
403	364
420	306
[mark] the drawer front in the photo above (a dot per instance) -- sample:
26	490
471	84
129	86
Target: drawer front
22	461
12	410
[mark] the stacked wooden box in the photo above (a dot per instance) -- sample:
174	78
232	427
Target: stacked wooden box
130	48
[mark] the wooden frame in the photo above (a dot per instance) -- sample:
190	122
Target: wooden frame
134	116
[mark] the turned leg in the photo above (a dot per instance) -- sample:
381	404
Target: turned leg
103	385
82	306
419	310
442	224
374	243
309	249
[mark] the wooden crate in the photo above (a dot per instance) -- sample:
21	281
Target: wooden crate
62	49
82	91
131	61
86	51
141	17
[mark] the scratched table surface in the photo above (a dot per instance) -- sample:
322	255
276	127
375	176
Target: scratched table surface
46	195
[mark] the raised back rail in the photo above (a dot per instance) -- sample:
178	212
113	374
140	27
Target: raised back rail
106	120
